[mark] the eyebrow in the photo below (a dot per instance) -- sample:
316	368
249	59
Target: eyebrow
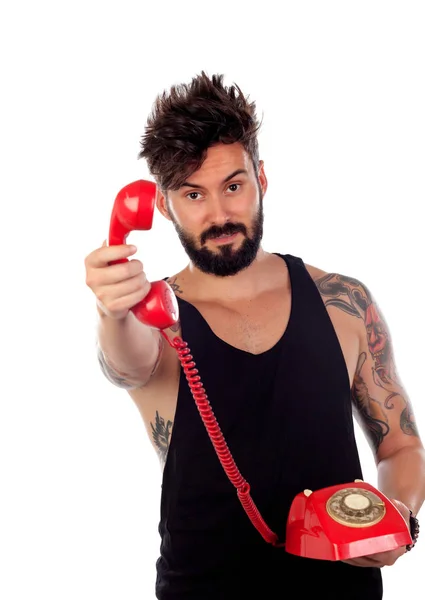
228	178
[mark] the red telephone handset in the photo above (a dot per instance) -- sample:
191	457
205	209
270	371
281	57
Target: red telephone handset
334	523
133	211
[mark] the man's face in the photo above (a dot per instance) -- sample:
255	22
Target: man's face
218	212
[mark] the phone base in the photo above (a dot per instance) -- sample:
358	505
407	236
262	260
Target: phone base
344	521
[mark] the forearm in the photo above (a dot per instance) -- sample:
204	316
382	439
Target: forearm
129	350
402	477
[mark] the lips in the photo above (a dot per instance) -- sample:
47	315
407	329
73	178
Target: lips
224	238
223	233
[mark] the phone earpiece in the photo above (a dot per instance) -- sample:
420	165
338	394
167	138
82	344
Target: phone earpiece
133	210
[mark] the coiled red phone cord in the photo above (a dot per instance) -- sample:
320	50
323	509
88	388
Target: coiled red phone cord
217	438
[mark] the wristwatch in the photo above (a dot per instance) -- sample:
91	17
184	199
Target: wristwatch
414	530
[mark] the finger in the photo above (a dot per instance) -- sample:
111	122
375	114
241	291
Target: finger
388	558
361	562
379	559
114	274
110	295
106	254
388	555
125	302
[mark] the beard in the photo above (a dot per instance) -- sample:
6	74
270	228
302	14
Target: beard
225	261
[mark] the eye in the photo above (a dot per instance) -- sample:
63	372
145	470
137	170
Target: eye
234	185
193	196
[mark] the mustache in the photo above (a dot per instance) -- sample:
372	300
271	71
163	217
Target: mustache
227	229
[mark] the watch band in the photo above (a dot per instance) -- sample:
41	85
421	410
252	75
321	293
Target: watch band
414	531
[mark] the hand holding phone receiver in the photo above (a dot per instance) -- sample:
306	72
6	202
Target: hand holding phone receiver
334	523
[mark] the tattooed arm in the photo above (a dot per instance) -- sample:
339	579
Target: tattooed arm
161	433
129	352
125	380
381	404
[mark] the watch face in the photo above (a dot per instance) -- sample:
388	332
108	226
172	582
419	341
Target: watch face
356	507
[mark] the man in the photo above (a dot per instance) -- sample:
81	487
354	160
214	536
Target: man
285	352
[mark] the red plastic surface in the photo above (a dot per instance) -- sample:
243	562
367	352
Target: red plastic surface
133	211
311	531
159	309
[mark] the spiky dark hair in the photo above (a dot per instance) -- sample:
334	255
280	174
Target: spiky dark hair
190	118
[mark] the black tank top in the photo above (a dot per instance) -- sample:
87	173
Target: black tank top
286	417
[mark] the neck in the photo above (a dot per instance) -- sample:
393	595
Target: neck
244	284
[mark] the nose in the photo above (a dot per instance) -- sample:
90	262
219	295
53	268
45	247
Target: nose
218	210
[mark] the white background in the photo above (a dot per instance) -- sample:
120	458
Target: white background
341	87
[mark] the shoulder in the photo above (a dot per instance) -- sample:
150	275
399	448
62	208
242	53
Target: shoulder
177	283
332	285
347	299
314	272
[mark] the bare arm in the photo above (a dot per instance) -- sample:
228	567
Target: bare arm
128	351
381	404
386	414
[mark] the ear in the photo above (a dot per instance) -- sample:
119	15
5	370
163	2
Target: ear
262	177
161	203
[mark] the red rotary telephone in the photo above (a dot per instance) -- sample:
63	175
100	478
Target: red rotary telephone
335	523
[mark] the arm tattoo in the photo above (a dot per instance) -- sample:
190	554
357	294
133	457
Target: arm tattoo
334	286
161	433
369	409
112	375
117	378
158	358
176	288
353	297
